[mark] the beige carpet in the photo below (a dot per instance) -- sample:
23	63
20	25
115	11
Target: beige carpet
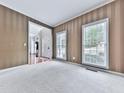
57	77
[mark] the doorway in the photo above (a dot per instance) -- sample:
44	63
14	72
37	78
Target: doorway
40	43
95	44
61	45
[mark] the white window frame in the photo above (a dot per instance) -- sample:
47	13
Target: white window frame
65	45
106	45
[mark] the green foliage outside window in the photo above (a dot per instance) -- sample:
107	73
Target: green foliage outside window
93	35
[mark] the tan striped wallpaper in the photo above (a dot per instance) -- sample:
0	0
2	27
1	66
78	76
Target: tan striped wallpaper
74	27
13	35
122	35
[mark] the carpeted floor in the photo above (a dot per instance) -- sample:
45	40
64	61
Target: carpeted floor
57	77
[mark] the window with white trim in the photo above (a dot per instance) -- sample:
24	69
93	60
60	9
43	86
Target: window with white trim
95	44
61	45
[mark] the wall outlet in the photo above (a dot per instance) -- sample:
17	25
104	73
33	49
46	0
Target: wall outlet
73	58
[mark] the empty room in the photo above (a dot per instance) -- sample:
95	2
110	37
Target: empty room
61	46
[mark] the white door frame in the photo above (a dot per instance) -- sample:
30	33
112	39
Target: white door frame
106	45
66	45
40	50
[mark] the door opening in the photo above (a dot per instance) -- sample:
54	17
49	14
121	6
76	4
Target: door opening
61	45
95	44
40	43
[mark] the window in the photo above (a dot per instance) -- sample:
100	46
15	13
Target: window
95	44
61	45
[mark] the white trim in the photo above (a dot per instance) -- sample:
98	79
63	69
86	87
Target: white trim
114	73
99	70
107	42
85	12
96	22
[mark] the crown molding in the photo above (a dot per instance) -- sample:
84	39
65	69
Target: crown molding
85	12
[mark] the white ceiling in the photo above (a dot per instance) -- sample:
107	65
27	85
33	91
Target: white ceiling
52	12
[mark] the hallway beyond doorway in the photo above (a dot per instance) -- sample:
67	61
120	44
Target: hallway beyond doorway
40	43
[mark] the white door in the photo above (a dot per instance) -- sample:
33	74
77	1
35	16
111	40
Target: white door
61	45
46	45
95	44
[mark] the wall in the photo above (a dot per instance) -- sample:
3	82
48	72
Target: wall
122	35
74	28
13	35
